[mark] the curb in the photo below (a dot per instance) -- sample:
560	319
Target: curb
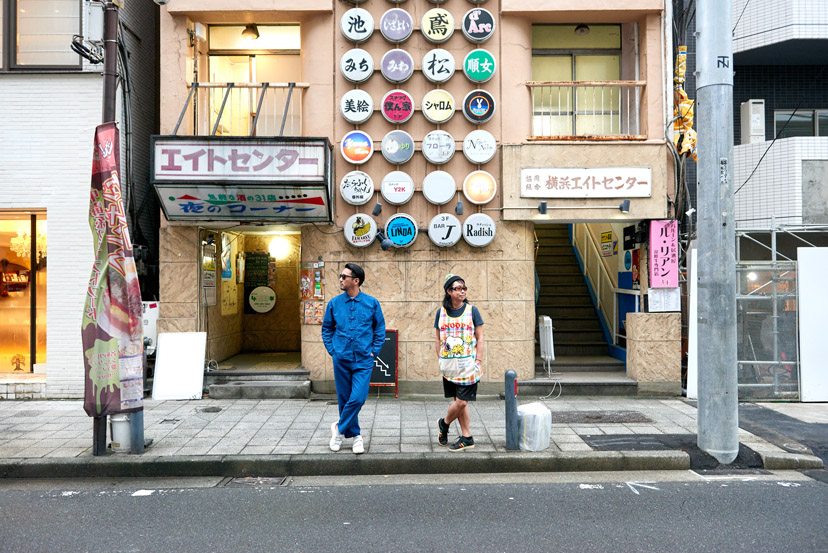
333	465
790	461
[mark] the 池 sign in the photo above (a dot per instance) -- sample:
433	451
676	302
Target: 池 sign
357	25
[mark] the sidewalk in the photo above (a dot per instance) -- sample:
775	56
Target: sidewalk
290	437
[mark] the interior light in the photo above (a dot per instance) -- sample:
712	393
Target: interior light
582	29
751	276
279	247
250	32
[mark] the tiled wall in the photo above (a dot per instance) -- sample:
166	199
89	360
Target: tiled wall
759	23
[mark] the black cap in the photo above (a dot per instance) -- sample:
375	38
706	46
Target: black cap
450	279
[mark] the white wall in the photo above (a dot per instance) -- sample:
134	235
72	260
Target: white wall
47	123
765	22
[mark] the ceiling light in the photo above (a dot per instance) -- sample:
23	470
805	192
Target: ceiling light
250	32
582	29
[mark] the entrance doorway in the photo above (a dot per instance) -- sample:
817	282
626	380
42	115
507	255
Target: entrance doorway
22	291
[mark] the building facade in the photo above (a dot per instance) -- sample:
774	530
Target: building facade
436	138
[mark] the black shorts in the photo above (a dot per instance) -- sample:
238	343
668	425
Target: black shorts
466	393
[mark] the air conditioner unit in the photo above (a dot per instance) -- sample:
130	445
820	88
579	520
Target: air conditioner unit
753	121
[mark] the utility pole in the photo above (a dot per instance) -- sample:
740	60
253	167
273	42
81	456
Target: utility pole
718	412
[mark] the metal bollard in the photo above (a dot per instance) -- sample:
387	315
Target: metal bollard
512	421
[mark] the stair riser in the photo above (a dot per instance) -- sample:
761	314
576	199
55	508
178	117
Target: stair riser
564	301
560	324
566	311
555	290
576	350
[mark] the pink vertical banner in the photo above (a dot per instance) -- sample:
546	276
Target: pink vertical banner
664	254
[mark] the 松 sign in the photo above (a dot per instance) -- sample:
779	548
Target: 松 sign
234	178
664	254
586	182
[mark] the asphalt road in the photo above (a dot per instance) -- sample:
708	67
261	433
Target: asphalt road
584	512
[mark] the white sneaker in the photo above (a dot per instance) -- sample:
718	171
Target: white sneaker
336	437
359	447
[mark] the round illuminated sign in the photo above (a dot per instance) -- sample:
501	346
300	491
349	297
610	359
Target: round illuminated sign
397	66
356	65
360	230
397	187
479	65
478	230
439	187
479	146
437	25
438	65
438	147
438	106
356	188
356	106
397	147
478	106
396	1
357	147
262	299
396	25
401	229
357	25
478	25
444	230
397	106
479	187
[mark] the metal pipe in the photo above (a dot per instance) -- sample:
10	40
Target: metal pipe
221	111
259	108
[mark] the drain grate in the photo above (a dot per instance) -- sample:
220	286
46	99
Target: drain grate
256	481
208	410
598	417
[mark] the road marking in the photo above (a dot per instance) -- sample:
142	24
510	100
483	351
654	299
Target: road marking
591	487
633	485
789	484
143	493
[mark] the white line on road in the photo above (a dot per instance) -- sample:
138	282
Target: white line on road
633	485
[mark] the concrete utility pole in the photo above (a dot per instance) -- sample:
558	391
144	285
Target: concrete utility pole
718	386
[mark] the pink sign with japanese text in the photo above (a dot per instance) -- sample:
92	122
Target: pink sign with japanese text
664	254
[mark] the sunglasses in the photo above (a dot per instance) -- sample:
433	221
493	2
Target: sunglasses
343	277
460	288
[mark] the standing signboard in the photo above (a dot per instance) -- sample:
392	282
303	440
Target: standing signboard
385	365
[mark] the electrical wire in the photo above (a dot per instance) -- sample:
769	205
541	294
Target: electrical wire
90	53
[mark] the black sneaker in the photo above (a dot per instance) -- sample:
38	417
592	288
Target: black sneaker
462	444
442	434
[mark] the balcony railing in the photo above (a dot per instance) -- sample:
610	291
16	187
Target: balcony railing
243	109
586	110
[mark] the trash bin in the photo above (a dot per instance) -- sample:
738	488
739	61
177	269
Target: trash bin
535	426
120	432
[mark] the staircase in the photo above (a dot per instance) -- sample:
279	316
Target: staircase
582	360
255	376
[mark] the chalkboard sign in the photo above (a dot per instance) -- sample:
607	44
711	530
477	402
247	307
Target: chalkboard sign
256	267
385	366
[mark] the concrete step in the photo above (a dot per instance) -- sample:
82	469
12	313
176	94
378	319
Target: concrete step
563	278
582	348
548	290
577	336
568	300
579	364
550	268
275	389
610	383
223	376
556	312
574	323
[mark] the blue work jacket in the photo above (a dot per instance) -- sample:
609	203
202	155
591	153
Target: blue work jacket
353	328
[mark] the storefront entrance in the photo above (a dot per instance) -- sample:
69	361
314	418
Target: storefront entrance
22	291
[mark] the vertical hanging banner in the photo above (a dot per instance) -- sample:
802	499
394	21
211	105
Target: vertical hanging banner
112	328
664	254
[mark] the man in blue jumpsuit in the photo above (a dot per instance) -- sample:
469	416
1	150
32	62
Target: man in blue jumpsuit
353	332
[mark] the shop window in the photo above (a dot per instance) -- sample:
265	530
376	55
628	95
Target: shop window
37	34
790	123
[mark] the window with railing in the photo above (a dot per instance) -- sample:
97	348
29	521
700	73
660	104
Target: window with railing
577	87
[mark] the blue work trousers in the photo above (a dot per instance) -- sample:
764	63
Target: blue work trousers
352	380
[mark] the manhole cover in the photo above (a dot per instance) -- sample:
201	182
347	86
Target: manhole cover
255	481
209	409
598	417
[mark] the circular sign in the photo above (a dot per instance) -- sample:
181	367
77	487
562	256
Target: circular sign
437	25
396	1
397	147
262	299
479	65
401	229
478	106
396	25
479	187
356	188
357	25
360	230
479	146
397	66
627	260
438	65
397	106
478	230
357	147
397	187
356	106
439	187
438	106
445	230
357	65
438	147
478	25
437	2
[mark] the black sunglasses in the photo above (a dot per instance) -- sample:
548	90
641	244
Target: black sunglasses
459	288
343	277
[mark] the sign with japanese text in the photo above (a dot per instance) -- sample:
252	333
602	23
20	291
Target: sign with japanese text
112	327
357	25
437	25
208	158
664	254
606	244
586	182
396	25
356	106
397	66
438	65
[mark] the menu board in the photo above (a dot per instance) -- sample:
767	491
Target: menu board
256	269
